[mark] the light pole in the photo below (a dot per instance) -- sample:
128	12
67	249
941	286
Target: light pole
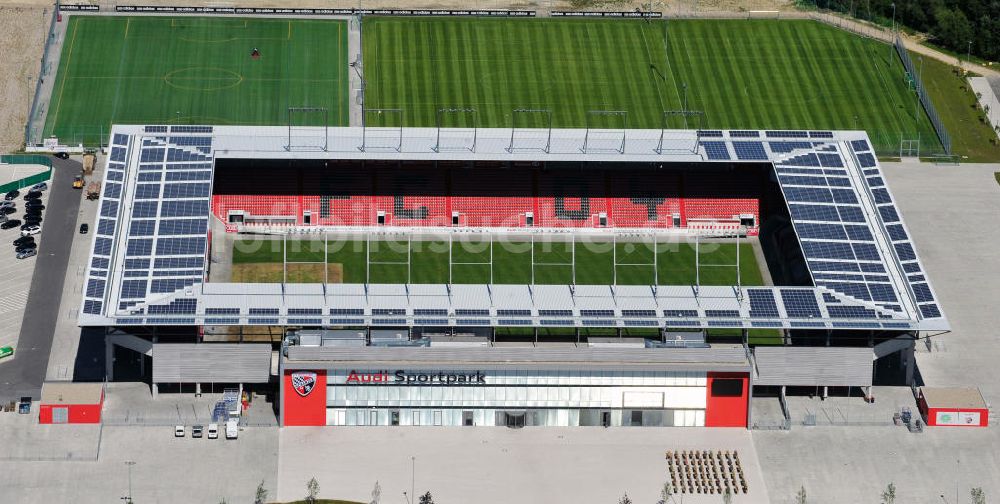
893	18
968	55
413	477
685	105
129	463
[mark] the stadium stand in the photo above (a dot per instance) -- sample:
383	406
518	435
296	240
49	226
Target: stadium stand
346	194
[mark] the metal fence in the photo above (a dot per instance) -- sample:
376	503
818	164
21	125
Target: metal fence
925	99
32	130
27	181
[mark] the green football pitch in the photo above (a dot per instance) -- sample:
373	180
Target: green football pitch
148	70
776	74
508	262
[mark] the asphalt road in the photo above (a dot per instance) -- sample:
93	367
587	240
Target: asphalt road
24	375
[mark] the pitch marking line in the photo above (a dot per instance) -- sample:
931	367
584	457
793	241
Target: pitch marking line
62	86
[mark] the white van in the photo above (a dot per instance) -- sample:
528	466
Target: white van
232	428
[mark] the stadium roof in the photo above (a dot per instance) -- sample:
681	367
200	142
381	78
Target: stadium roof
158	182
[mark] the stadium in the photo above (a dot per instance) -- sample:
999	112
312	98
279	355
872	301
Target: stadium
466	218
423	288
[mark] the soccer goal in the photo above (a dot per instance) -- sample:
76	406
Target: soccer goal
763	14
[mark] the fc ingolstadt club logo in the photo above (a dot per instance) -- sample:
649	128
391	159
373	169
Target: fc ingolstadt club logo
303	382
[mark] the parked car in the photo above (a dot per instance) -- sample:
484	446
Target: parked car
11	195
13	223
31	220
4	204
62	155
31	230
232	428
213	431
24	240
196	431
34	204
84	228
33	195
178	431
33	211
25	248
27	253
7	210
41	186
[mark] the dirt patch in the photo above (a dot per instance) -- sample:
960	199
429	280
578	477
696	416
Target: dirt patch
306	273
257	273
335	272
24	29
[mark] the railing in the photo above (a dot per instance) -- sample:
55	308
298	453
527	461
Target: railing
27	181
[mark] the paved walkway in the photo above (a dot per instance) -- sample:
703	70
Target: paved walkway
487	465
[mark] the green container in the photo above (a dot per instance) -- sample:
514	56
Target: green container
6	351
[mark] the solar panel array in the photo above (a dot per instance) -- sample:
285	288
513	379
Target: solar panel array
891	224
158	181
757	307
167	219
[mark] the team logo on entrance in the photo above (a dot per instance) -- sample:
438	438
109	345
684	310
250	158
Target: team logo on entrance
303	382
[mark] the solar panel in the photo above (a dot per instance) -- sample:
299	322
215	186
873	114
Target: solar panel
826	159
435	312
95	288
222	320
881	196
318	311
866	160
787	134
750	150
822	213
744	133
505	321
858	233
638	313
190	129
641	323
177	273
838	182
176	307
150	176
882	292
151	155
109	208
189	175
185	208
680	313
807	230
888	213
820	134
514	313
99	262
186	190
866	252
716	150
808	194
142	227
905	252
139	247
872	268
169	285
173	227
556	322
875	181
800	303
92	307
827	250
859	145
930	311
106	227
147	191
431	321
710	133
118	153
179	262
597	313
762	303
263	311
803	180
851	213
722	313
911	267
473	322
922	291
133	289
785	147
353	311
845	196
850	312
222	311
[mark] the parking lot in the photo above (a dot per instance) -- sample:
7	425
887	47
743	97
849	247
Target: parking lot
15	273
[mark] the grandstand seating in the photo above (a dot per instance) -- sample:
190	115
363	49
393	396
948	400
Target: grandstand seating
346	194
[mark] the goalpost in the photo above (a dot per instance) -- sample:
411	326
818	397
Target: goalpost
763	14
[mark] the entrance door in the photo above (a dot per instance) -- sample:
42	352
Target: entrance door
394	417
60	415
514	420
606	418
467	418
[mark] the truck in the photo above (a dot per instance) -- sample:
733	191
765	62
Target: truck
232	428
88	163
93	191
78	182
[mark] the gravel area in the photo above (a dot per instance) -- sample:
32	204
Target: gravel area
24	28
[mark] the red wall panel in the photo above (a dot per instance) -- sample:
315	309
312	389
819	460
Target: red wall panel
727	410
308	409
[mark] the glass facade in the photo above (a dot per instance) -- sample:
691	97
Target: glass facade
516	398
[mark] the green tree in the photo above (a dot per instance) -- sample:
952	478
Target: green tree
953	28
800	498
426	498
261	494
978	495
625	499
889	494
312	489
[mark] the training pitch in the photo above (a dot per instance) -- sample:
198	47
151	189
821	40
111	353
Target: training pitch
190	70
755	74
